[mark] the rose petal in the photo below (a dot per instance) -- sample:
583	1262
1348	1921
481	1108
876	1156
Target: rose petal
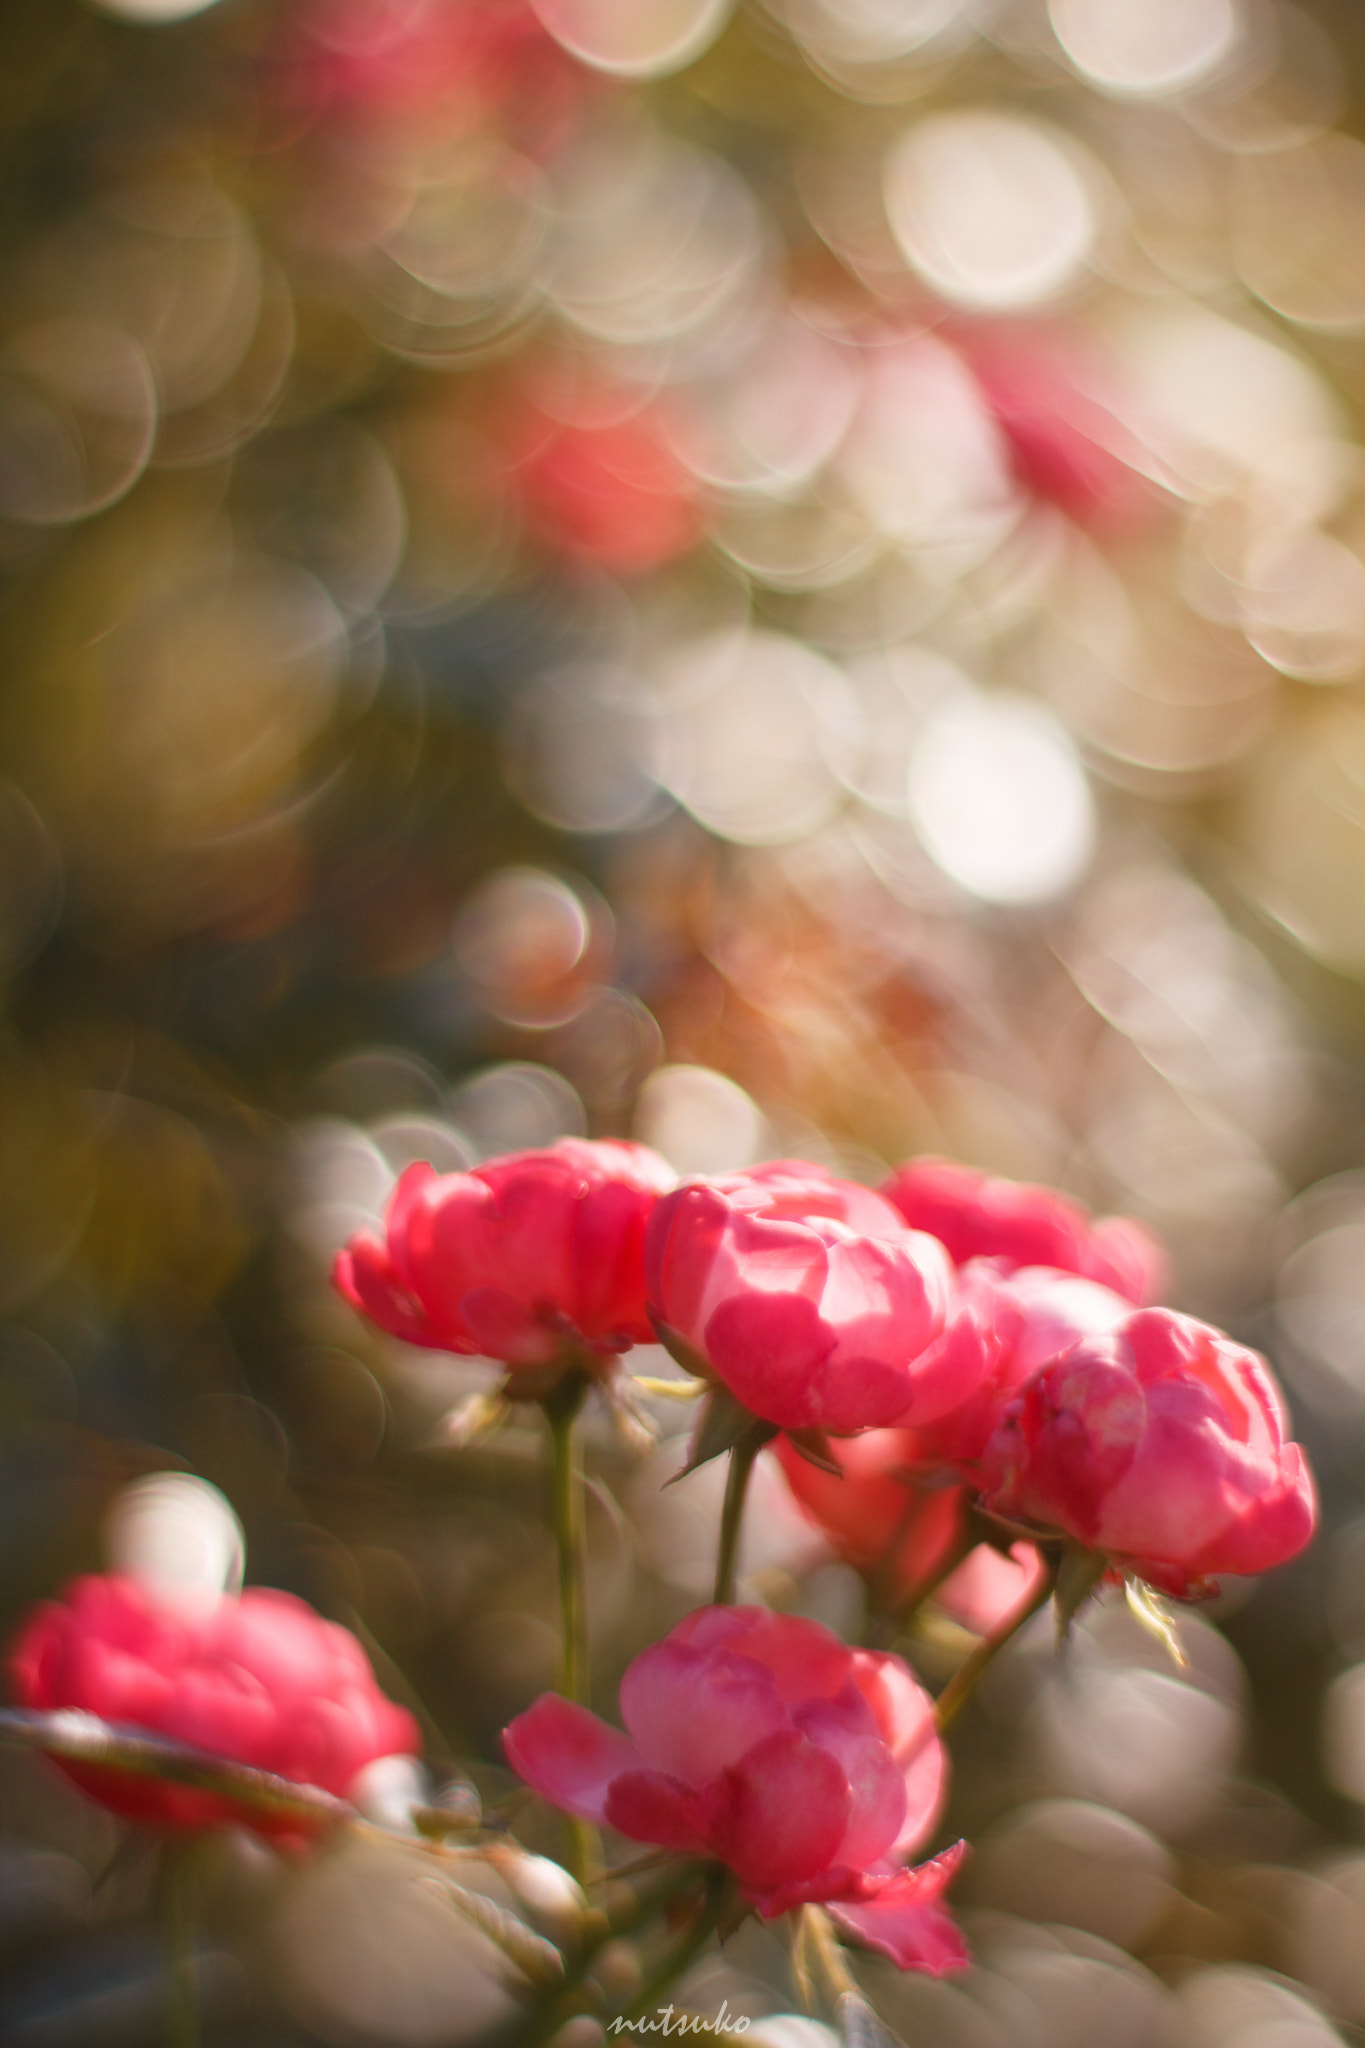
568	1755
906	1920
847	1729
651	1806
692	1713
780	1814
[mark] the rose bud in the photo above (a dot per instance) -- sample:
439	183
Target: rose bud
1161	1445
975	1215
257	1679
762	1740
1016	1322
532	1258
882	1519
808	1296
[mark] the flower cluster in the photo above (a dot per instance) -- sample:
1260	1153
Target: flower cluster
999	1322
947	1357
949	1343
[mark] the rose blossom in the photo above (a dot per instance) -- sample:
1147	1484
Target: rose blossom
975	1215
883	1519
524	1258
257	1679
809	1768
808	1296
1162	1445
1014	1323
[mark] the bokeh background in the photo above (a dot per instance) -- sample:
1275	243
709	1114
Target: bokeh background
784	577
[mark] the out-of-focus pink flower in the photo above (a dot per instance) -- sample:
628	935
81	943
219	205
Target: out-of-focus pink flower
1066	444
810	1769
1162	1445
989	1588
1016	1322
259	1679
604	487
878	1515
464	63
976	1215
808	1296
525	1258
884	1517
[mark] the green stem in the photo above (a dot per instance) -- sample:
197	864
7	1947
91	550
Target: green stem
885	1622
688	1949
178	1911
965	1679
817	1954
571	1542
742	1456
561	1412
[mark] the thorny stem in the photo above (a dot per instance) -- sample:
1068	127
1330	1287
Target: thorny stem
687	1950
742	1456
645	1903
964	1680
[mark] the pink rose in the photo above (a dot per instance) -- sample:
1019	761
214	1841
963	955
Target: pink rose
259	1679
762	1740
1015	1322
873	1511
606	490
883	1521
977	1216
989	1587
1161	1444
522	1259
807	1296
405	63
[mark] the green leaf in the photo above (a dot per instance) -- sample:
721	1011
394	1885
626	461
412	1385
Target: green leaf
681	1352
723	1423
1078	1575
813	1446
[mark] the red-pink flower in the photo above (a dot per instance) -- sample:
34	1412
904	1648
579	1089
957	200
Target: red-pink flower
463	63
1016	1322
1163	1445
762	1740
978	1216
604	488
526	1258
887	1517
877	1512
1066	443
808	1296
259	1679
